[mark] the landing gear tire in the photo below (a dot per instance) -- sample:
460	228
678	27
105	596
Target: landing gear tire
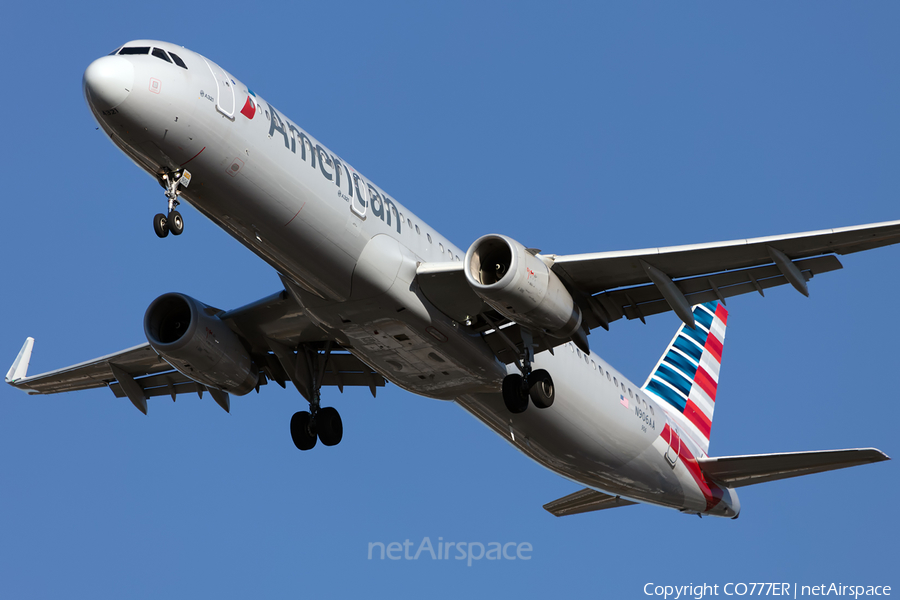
515	395
329	426
161	225
302	431
542	392
175	223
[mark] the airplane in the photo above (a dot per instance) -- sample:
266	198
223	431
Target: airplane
373	294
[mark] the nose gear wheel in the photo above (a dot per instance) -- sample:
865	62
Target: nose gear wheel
161	225
174	183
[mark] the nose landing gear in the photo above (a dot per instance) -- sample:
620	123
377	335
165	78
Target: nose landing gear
173	182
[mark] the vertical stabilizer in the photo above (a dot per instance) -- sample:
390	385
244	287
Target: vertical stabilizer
686	377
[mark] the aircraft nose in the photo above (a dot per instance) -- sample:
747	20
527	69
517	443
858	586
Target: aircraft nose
108	81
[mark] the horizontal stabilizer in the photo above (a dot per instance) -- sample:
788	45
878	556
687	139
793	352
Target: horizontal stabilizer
582	501
738	471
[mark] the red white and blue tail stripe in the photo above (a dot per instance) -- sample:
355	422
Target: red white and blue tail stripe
686	377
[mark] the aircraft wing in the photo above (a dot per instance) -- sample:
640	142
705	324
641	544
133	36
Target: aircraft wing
275	328
620	284
738	471
635	284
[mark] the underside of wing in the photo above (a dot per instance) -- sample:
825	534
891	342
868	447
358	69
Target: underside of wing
738	471
582	501
94	373
638	283
601	271
635	284
283	344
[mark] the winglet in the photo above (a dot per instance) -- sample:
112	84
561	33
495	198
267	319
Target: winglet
19	368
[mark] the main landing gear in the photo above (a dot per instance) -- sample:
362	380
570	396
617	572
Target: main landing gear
173	182
536	385
322	423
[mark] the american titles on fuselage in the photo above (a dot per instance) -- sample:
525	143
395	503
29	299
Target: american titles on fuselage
361	194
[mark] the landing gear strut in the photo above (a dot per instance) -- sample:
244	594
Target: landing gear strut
322	423
536	385
173	182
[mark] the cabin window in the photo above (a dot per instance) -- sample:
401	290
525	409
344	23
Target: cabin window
587	361
623	387
593	365
607	375
417	230
441	246
629	393
178	60
578	352
135	50
160	53
428	235
615	382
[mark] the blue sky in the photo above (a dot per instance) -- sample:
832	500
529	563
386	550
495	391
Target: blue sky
575	127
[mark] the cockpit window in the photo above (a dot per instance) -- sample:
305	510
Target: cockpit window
135	50
178	60
114	52
160	53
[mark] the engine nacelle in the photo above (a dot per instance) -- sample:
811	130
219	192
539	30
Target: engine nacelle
518	285
199	344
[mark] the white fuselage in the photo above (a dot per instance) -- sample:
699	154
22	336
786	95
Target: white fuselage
349	253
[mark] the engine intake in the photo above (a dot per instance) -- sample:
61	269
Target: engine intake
199	344
518	285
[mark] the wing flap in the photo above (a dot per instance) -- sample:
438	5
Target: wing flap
582	501
739	471
163	384
646	300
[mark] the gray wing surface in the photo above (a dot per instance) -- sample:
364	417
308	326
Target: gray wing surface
275	328
94	373
621	285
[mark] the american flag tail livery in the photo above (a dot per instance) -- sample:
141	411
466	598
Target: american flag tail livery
685	378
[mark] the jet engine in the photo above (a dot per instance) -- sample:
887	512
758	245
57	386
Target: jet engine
191	338
518	285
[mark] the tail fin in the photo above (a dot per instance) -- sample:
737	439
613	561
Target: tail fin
686	377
